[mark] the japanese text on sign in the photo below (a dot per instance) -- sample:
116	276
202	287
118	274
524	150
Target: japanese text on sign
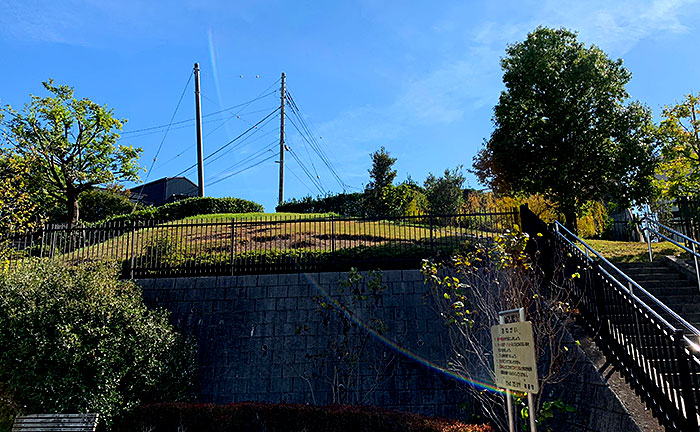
514	357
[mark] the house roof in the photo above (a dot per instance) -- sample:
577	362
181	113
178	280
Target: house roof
162	180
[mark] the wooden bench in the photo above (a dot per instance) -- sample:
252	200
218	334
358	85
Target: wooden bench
55	423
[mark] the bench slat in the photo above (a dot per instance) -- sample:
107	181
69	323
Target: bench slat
56	423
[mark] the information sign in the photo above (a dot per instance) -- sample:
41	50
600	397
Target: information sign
514	357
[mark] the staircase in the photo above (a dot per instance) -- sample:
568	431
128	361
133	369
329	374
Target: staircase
668	284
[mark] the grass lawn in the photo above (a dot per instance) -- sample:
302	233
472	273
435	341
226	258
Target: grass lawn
618	251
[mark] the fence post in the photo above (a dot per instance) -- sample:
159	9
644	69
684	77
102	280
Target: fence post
53	239
432	242
332	233
133	249
233	244
43	233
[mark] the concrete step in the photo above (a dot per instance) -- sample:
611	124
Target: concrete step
656	277
667	284
665	290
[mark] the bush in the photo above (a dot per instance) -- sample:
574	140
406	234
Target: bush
259	417
190	207
345	204
98	204
78	340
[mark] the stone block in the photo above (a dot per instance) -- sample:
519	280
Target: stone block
165	283
286	304
205	282
329	278
276	291
227	281
185	283
298	290
392	276
288	279
265	304
247	280
267	280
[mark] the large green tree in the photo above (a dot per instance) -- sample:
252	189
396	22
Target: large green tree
563	128
70	143
679	167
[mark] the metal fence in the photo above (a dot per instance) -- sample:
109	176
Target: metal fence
657	354
272	244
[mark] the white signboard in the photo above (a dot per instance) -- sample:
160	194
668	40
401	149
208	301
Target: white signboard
514	357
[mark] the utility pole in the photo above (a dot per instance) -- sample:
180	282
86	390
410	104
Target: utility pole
283	101
200	151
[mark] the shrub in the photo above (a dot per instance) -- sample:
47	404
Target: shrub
259	417
98	204
190	207
78	340
345	204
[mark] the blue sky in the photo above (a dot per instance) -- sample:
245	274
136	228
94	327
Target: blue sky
419	78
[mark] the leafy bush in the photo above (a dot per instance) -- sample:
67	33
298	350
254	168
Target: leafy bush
78	340
98	204
190	207
259	417
345	204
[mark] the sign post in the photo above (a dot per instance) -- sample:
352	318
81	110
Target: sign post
514	361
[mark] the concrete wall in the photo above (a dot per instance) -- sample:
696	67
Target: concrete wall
264	338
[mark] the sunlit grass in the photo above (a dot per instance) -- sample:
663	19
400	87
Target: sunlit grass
620	251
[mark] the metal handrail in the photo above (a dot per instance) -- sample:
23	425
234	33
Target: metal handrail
692	241
691	328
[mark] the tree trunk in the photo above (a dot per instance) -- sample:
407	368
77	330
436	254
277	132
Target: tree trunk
73	209
571	221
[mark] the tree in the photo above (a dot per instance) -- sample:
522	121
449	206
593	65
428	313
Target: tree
71	144
679	132
17	206
444	194
563	130
470	290
381	177
381	174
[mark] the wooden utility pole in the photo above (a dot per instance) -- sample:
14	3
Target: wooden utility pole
200	151
283	101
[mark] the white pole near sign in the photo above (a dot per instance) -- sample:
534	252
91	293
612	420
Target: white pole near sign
514	361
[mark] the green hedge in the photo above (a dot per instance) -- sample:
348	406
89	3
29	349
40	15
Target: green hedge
190	207
265	417
345	204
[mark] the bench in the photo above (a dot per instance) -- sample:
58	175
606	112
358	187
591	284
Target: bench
55	423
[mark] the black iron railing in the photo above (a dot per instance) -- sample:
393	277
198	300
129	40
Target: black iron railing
265	244
656	350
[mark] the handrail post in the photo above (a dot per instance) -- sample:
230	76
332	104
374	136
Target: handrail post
648	235
697	270
685	382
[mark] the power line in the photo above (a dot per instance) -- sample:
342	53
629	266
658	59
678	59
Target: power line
148	173
244	104
248	158
238	172
230	142
314	180
305	131
300	180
